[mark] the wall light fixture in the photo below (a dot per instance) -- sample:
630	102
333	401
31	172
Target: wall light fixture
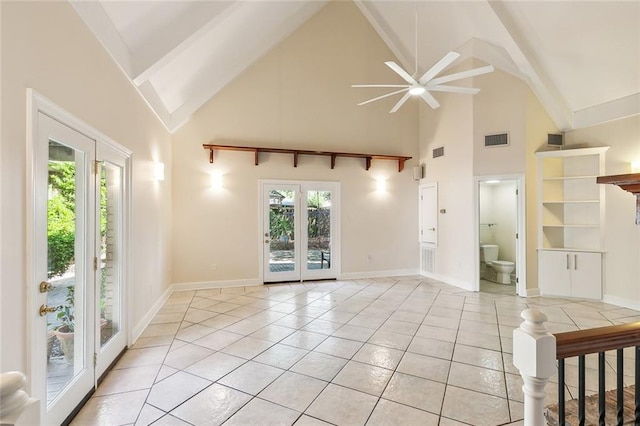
158	171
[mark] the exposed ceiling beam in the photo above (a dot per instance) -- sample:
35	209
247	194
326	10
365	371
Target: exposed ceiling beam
541	85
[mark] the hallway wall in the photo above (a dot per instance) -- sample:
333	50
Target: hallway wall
45	46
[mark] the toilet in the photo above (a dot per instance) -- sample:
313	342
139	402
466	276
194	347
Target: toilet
501	268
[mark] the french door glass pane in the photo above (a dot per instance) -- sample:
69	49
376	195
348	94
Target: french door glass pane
109	260
281	230
319	229
65	255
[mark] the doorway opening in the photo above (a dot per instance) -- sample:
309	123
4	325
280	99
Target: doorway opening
500	235
299	231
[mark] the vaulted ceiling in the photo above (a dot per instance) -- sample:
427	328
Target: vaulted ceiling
581	58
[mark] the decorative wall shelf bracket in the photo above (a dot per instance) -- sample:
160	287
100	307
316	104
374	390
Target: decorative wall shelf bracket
297	152
629	182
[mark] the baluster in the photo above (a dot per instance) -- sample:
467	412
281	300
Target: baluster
637	386
620	392
561	391
581	393
601	389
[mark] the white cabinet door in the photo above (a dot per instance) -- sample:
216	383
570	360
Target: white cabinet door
569	273
554	273
586	275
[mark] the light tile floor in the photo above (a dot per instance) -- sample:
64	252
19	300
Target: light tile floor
387	351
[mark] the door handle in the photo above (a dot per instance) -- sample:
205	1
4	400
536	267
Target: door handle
267	241
575	261
568	261
44	309
432	229
45	286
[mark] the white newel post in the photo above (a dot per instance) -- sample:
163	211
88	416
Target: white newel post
16	407
534	354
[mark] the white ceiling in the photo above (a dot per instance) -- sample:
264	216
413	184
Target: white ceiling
581	58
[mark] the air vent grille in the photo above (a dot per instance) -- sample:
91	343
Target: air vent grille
555	140
428	260
500	139
438	152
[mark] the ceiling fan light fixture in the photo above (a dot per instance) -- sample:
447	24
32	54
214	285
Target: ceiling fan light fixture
417	90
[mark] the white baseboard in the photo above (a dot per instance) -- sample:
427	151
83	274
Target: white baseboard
204	285
146	319
622	302
531	292
451	281
376	274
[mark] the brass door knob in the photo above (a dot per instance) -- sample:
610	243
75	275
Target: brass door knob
266	241
44	309
45	286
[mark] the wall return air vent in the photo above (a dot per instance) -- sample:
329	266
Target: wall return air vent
501	139
438	152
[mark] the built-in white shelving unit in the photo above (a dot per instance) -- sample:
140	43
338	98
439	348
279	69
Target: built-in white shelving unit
570	222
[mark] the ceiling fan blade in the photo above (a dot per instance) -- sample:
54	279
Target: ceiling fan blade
454	89
400	103
442	64
428	98
380	85
402	73
383	96
463	74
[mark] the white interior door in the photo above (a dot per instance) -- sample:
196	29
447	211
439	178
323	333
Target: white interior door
429	214
63	308
300	231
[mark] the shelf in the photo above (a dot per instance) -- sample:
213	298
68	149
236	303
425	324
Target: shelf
563	178
297	152
571	202
570	249
571	226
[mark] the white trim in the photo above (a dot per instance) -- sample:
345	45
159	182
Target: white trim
146	319
622	302
204	285
378	274
521	229
451	281
530	292
608	111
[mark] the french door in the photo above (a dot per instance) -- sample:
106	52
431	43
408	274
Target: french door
77	264
300	230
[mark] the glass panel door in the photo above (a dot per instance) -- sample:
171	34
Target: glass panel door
62	245
109	248
300	224
281	224
318	247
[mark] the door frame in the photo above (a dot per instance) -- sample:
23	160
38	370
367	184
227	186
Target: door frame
521	230
336	243
36	104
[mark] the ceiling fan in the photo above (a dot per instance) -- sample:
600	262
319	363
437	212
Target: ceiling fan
428	82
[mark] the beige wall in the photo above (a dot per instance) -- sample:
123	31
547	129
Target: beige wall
299	96
504	104
45	46
622	236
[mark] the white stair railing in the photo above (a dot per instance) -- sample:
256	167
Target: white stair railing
534	354
16	407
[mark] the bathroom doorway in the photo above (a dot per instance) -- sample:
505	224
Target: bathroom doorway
500	235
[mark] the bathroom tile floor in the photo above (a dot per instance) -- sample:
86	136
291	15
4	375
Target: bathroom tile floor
385	351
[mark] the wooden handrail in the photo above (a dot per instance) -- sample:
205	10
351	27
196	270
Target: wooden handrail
595	340
296	152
